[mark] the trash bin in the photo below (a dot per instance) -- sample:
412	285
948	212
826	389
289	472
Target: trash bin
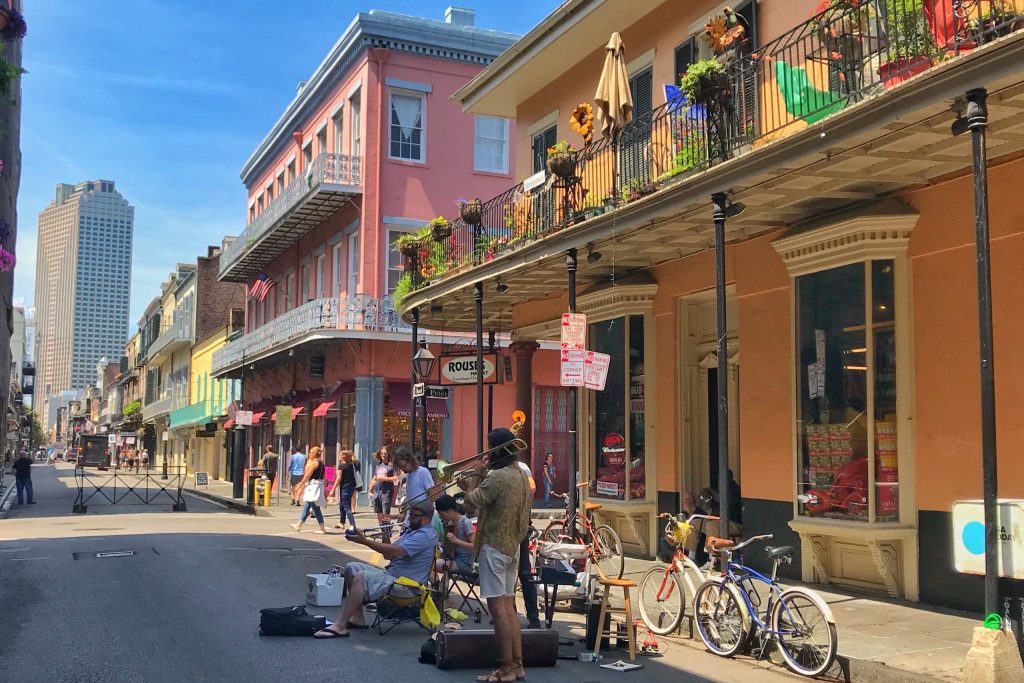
253	475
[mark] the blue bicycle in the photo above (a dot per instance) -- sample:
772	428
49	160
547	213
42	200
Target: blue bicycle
730	618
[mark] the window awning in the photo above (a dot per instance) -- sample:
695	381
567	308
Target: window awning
256	417
401	397
229	423
295	413
328	403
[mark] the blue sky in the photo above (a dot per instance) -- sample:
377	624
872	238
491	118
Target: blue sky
168	98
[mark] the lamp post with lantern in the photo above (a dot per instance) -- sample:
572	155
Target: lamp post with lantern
423	367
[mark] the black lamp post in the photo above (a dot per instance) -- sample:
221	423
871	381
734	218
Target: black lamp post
422	367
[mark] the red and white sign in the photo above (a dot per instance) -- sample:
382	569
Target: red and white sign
243	418
595	370
571	367
613	448
574	331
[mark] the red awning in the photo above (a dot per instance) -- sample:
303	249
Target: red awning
296	410
229	423
401	397
322	409
330	401
256	417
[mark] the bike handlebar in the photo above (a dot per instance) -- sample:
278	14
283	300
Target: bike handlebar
762	537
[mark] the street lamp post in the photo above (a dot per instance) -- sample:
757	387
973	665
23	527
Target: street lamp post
423	367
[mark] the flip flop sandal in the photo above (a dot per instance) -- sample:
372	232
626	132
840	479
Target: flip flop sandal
330	634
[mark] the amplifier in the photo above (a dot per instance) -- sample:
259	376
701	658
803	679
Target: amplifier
476	649
553	572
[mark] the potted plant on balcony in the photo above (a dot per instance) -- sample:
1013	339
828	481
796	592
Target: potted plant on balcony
562	160
440	228
1001	19
706	83
408	244
910	42
12	24
472	212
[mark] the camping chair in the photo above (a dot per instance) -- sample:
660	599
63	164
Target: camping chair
398	608
465	585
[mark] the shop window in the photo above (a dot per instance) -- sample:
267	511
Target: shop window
846	375
618	414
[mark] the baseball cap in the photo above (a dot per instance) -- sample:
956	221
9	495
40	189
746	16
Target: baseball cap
425	507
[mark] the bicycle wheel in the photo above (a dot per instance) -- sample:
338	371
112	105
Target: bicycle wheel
807	639
721	618
554	533
662	600
608	551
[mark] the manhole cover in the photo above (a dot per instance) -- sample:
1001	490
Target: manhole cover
116	553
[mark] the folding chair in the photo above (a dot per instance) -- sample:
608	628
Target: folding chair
397	608
466	585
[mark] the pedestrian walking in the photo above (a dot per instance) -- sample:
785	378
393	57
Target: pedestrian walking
23	478
382	486
359	484
345	479
310	488
270	461
296	470
549	477
145	458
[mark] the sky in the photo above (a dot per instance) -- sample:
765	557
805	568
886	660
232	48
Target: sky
168	98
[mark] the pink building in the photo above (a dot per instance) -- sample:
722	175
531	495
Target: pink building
370	148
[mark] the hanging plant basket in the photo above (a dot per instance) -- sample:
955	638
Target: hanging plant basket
562	164
7	260
472	212
706	82
440	230
12	24
409	249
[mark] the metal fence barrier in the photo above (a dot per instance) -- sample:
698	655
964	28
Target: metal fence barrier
117	484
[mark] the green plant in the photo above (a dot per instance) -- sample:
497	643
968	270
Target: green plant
402	289
561	147
132	408
8	74
705	81
909	35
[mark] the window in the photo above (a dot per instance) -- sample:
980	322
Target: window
270	193
619	410
339	130
336	263
490	144
259	203
320	276
304	272
353	264
846	378
290	296
407	124
307	157
291	170
396	262
280	183
541	142
355	125
685	56
321	141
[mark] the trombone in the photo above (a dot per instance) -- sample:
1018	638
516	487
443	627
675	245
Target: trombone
451	474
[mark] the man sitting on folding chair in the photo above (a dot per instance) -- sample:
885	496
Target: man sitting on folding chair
411	556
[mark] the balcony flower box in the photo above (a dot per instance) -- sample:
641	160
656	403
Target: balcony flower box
898	70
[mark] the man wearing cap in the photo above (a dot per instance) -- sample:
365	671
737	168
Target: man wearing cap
411	556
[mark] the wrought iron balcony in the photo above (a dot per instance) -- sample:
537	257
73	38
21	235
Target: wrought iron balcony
330	181
362	313
177	336
156	409
848	53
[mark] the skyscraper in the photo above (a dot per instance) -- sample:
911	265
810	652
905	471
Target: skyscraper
83	283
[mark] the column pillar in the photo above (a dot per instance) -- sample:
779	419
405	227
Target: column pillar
524	351
369	419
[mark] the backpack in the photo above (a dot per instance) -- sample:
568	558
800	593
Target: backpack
290	621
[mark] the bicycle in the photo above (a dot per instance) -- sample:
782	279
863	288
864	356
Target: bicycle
603	545
666	589
728	618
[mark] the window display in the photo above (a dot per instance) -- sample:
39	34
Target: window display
619	410
846	372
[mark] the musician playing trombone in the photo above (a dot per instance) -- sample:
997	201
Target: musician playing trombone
501	498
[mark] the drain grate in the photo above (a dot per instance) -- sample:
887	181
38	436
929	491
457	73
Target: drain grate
107	554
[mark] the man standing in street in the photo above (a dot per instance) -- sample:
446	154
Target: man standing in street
23	478
296	468
526	579
270	461
502	500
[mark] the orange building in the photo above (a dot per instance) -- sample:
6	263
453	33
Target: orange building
852	316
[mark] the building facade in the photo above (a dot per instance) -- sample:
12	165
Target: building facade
850	294
370	150
83	283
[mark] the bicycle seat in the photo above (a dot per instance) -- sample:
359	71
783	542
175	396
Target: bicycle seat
714	543
781	552
590	507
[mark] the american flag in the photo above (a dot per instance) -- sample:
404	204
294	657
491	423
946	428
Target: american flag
260	287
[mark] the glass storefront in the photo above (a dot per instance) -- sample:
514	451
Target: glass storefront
846	375
396	429
618	412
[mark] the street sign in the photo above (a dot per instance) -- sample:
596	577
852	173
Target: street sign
112	440
243	418
418	389
574	331
571	367
283	423
595	370
436	392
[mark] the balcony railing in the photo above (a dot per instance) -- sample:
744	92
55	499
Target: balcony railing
850	52
357	313
158	408
326	169
177	335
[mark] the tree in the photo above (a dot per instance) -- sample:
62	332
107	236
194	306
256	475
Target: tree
38	435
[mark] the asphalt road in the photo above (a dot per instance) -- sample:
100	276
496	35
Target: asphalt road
185	606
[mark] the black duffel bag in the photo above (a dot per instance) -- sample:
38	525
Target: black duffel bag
290	621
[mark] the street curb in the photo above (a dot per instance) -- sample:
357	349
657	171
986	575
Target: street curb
5	505
236	505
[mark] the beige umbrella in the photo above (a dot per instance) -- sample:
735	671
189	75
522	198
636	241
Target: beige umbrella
614	101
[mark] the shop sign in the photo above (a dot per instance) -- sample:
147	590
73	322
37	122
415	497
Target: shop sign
607	488
202	479
595	370
112	440
574	331
283	423
571	367
613	449
243	418
463	369
969	537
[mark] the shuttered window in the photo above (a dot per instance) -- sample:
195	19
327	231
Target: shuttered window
543	207
746	86
684	58
633	158
541	142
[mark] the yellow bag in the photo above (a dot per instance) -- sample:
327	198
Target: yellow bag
429	616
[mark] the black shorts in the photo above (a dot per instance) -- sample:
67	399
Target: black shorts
382	505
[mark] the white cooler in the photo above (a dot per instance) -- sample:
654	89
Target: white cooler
324	590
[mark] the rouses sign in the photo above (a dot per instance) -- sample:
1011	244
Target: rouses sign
462	369
613	448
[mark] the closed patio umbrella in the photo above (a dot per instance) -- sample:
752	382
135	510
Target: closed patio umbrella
613	99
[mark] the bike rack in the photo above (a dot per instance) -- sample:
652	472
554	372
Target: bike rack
153	487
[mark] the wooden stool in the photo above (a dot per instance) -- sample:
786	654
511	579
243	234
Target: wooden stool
625	585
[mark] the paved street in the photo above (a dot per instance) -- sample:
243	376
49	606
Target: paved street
185	605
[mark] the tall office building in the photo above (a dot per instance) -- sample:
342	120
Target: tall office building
83	282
